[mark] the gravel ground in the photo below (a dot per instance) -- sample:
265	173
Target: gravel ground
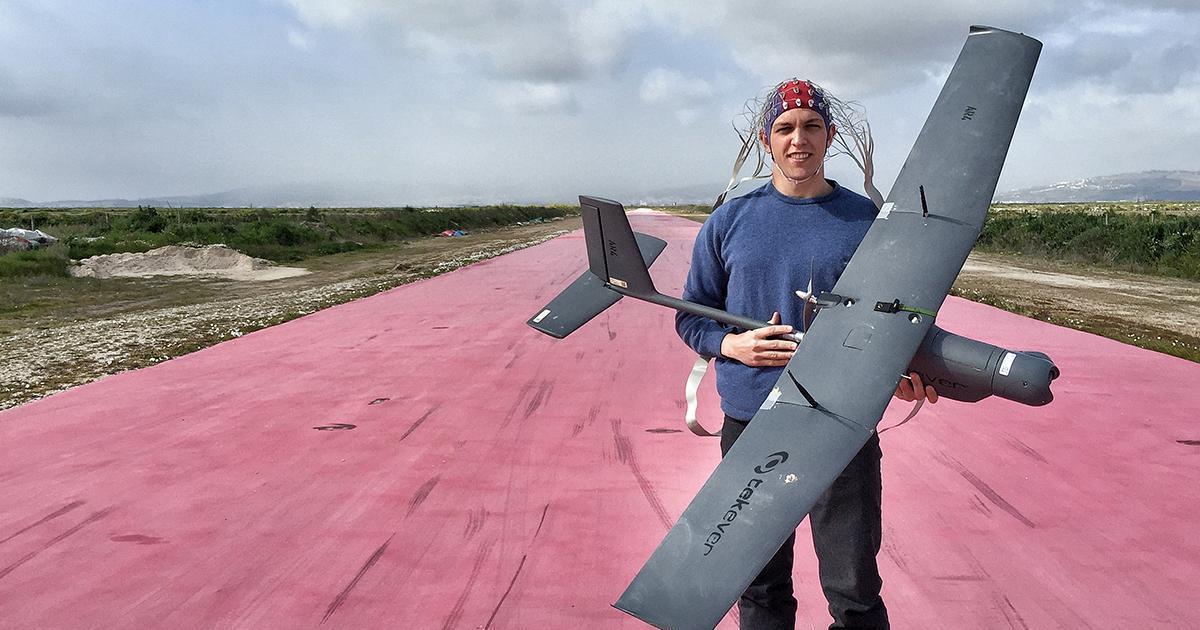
1153	312
38	361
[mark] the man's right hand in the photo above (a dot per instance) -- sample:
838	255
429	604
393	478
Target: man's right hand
756	348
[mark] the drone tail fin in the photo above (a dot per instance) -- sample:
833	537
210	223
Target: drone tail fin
614	252
616	255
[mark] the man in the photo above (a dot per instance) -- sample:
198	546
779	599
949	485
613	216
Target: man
750	258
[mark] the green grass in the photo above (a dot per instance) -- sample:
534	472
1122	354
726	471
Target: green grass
1154	243
50	261
282	235
1157	238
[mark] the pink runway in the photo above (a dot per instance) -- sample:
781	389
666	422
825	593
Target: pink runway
497	478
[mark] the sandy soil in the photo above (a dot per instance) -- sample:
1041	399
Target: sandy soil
1168	303
174	260
1157	313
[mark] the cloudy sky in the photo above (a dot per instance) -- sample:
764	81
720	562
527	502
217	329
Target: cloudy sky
506	98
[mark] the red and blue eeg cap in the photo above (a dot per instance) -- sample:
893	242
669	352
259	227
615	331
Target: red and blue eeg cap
795	94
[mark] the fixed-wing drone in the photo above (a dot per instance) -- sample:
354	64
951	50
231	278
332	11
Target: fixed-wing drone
875	324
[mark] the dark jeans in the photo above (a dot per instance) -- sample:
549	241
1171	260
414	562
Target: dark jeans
847	530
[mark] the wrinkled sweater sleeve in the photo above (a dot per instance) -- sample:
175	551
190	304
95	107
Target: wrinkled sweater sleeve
706	284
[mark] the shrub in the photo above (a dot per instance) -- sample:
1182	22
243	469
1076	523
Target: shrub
1158	243
147	219
38	262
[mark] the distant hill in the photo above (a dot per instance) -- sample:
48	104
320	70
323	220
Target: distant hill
1144	186
698	194
377	194
305	194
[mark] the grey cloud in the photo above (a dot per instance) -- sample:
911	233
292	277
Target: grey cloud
1098	56
1094	57
18	102
527	40
861	48
23	106
663	85
524	97
1160	71
1147	63
1181	6
534	59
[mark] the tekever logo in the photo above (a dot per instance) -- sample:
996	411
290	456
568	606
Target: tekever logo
774	460
742	500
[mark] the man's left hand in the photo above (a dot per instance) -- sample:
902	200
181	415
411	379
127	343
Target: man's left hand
911	389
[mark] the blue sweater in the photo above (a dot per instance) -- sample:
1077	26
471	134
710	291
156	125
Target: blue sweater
750	258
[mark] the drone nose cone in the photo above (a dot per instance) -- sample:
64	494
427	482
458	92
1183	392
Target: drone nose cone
1054	372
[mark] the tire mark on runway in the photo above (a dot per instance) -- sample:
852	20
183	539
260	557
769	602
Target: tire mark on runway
541	521
418	423
543	393
996	499
893	552
475	521
1022	447
54	541
977	571
420	495
45	519
984	488
626	455
140	539
1014	619
978	505
506	592
592	414
481	556
516	355
341	597
363	342
961	578
512	411
980	570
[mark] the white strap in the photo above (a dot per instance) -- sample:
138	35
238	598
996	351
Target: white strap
699	369
748	145
915	409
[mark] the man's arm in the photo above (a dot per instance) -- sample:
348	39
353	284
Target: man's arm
706	284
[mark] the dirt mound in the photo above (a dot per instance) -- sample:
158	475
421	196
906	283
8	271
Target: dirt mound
177	260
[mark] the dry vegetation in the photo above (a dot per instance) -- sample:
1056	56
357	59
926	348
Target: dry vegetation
62	332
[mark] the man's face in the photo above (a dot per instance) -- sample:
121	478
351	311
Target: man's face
798	142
